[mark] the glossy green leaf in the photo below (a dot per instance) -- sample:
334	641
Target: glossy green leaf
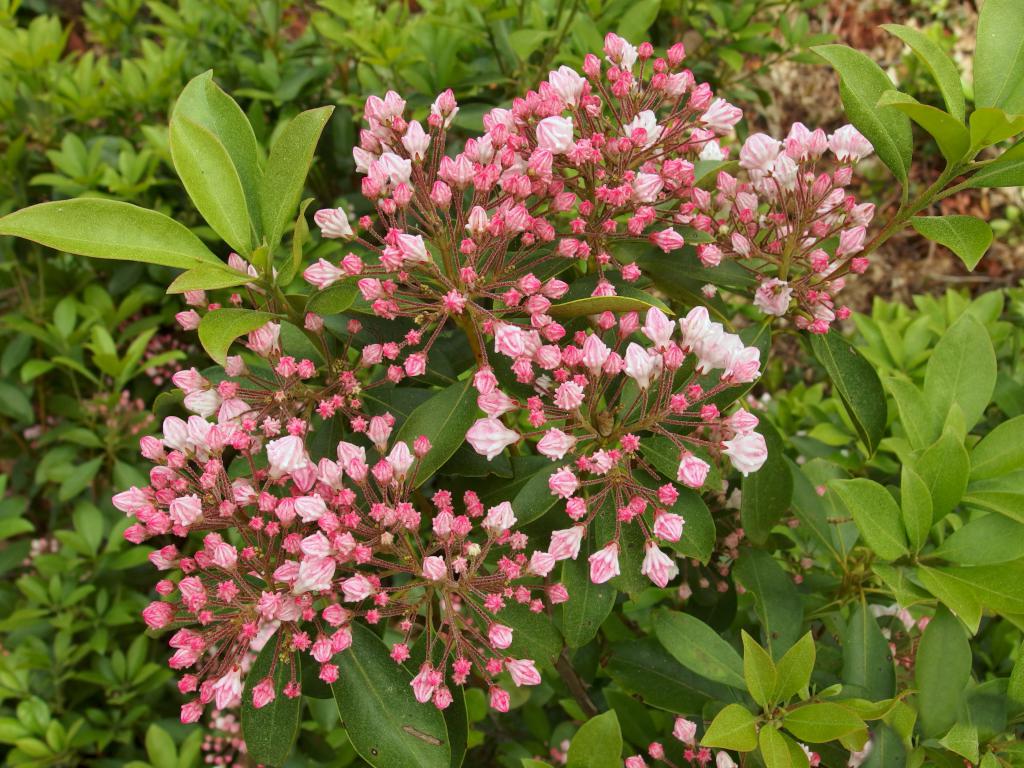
916	505
877	516
597	744
953	594
208	278
999	56
108	229
644	668
203	102
966	236
962	370
589	604
733	728
699	648
862	83
775	749
287	167
534	498
333	300
944	467
822	722
385	723
938	63
887	749
867	661
987	540
220	327
1005	171
855	381
918	418
777	602
534	635
1001	451
444	419
759	672
205	168
595	305
1003	494
767	493
942	671
991	126
998	587
795	668
950	134
270	731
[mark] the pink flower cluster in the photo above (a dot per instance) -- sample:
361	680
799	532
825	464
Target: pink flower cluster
601	399
292	551
566	174
794	227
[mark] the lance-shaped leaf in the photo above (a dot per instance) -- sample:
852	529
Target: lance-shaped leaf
999	56
270	731
938	63
444	419
385	723
219	328
857	384
108	229
862	83
877	516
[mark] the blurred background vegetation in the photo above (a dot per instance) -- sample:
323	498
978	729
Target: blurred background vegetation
85	90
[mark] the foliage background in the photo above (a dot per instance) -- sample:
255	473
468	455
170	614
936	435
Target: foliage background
85	90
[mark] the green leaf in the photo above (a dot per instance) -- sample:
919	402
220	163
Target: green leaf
999	587
962	739
918	417
733	728
795	667
944	467
966	236
589	604
774	749
385	723
1015	686
220	327
759	672
862	83
108	229
287	168
867	662
999	56
991	126
270	732
332	300
208	278
1003	494
767	493
819	723
534	635
939	64
987	540
534	498
205	168
160	748
953	594
855	381
1007	170
699	648
444	419
1001	451
916	505
595	305
876	514
698	539
203	102
644	668
942	672
597	744
887	749
778	604
950	134
962	370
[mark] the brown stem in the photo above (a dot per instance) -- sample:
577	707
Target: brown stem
575	684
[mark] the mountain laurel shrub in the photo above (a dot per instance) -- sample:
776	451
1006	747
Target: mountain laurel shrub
497	451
